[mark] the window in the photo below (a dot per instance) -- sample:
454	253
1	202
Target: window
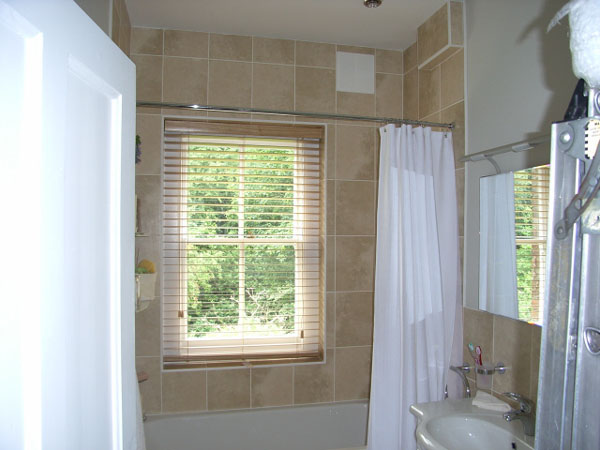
531	187
243	243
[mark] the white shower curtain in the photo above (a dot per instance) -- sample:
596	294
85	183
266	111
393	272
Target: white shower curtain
497	249
418	297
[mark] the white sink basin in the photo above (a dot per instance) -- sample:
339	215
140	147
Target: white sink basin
458	425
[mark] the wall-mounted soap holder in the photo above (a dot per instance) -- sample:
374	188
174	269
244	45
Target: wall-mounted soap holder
488	369
145	290
485	372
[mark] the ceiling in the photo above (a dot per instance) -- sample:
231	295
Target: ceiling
391	26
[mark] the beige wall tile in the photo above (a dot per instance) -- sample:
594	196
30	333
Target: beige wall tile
184	391
456	114
315	90
330	218
410	58
432	35
151	388
148	190
125	36
352	373
148	110
429	91
229	83
186	43
314	383
147	326
355	153
185	80
355	208
354	49
228	389
354	319
354	263
276	51
410	95
389	61
353	103
536	341
116	24
315	54
435	117
331	151
453	80
273	86
272	386
224	46
148	41
460	200
148	77
148	127
440	57
125	25
478	328
388	95
512	346
330	320
330	264
456	23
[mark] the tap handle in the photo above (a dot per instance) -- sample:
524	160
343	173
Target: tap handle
525	404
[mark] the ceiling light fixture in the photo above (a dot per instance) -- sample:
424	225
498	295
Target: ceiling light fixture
372	3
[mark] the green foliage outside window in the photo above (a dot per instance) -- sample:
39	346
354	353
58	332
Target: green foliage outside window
240	194
531	197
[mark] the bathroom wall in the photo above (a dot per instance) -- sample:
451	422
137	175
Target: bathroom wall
120	26
112	17
519	79
513	342
177	66
434	84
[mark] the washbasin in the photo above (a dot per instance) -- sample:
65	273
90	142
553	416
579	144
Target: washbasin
470	432
458	425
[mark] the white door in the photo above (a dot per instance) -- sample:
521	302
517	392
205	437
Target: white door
67	114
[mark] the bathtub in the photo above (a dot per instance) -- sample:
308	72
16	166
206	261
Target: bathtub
312	427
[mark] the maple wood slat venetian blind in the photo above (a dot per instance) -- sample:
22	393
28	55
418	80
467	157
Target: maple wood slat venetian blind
532	201
243	243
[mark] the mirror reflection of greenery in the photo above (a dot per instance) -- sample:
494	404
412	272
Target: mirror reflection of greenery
240	192
531	217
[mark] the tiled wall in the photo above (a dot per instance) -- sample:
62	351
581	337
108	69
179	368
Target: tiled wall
190	67
436	94
176	66
513	342
121	26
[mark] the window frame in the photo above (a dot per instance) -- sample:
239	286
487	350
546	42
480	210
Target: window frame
234	351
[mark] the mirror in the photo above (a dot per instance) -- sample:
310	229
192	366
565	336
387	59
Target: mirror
513	228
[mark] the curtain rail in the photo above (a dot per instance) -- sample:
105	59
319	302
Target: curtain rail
294	113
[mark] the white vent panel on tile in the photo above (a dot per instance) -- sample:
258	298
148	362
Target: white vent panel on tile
355	72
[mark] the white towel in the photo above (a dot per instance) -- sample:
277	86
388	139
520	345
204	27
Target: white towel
486	401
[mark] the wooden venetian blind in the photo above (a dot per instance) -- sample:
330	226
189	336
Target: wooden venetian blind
243	243
531	188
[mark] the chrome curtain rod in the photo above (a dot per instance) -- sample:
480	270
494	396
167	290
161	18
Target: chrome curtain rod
294	113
